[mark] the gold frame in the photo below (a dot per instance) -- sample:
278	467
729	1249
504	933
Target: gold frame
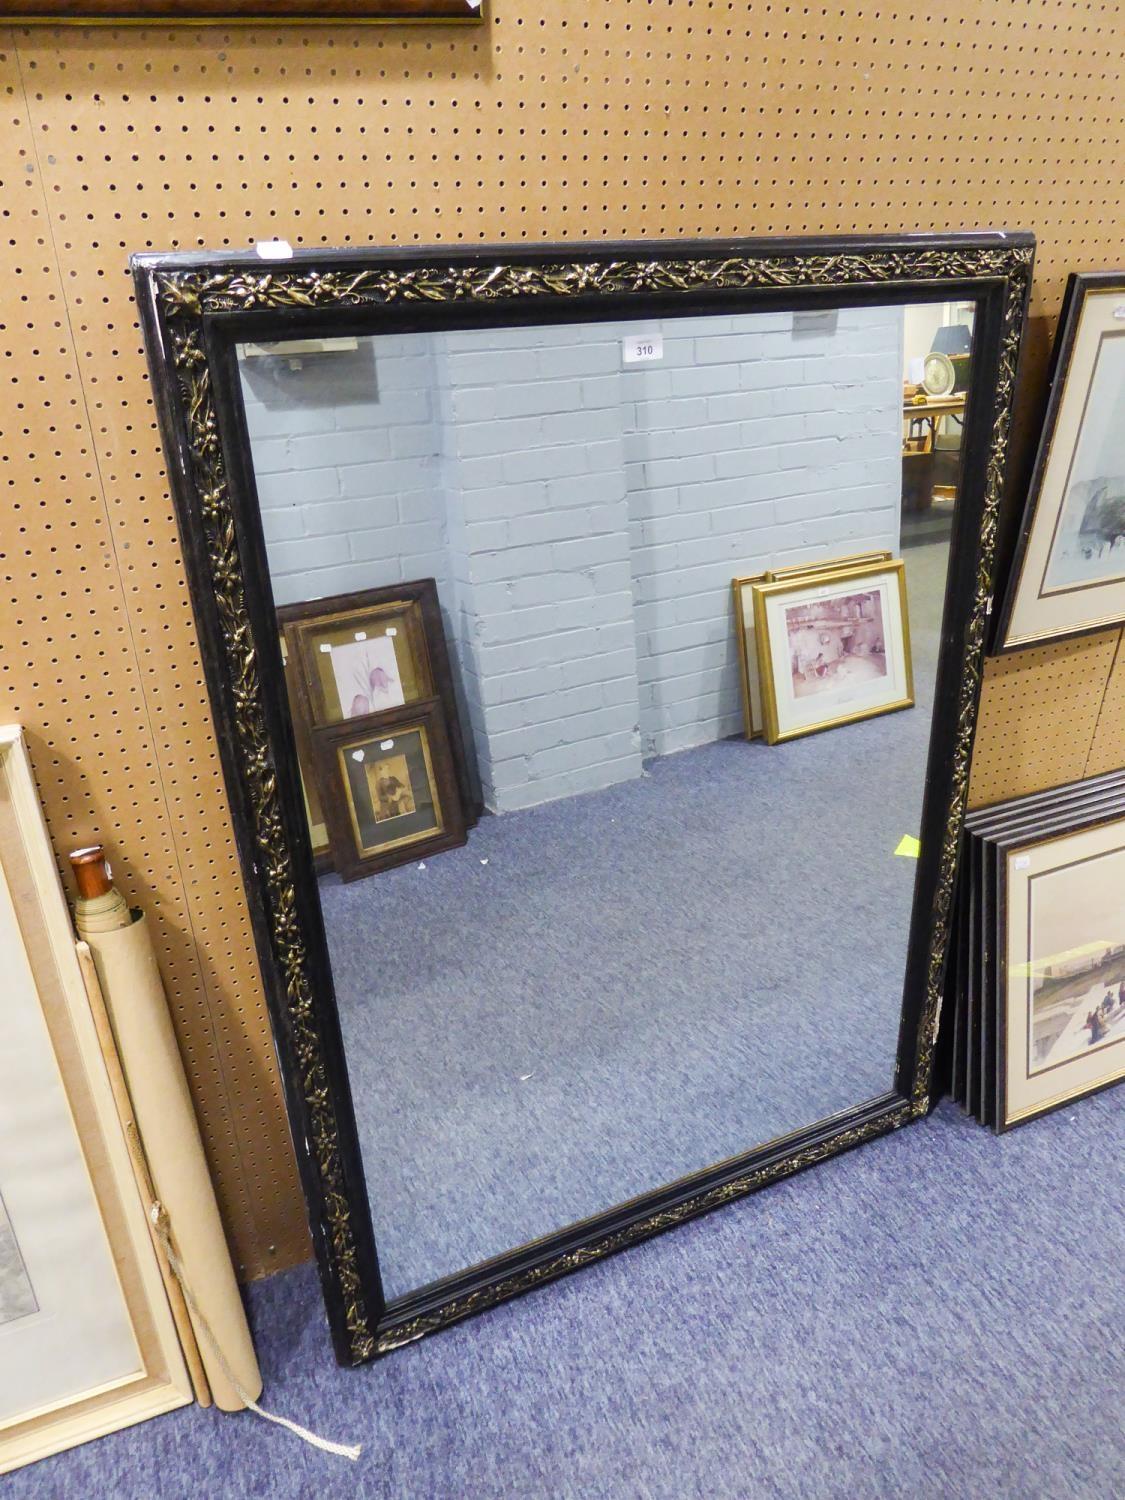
808	570
764	592
366	851
753	731
777	575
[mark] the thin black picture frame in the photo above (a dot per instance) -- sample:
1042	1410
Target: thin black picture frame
194	310
1079	286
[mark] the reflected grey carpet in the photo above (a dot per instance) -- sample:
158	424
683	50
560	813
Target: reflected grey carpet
937	1315
602	994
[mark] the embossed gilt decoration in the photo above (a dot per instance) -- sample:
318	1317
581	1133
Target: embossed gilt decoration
186	297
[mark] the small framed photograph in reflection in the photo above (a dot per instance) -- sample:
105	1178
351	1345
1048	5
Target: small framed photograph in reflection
1061	985
833	646
388	789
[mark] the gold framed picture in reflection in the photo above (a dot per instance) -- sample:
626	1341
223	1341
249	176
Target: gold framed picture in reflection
388	789
832	647
742	588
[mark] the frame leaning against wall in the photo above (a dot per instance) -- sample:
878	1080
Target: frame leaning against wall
195	309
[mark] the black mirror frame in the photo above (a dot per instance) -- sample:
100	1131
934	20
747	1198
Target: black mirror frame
194	308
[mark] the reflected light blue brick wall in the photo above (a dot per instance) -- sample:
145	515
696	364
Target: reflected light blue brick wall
583	518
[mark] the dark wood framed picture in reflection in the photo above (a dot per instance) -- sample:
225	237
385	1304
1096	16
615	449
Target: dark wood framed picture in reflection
388	789
578	1045
376	649
234	12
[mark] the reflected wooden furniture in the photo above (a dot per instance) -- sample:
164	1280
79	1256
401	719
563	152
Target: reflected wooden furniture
920	460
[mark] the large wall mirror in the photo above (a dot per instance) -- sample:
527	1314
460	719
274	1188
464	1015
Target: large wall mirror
594	635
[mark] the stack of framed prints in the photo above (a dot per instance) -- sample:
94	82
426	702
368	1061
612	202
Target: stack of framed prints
1037	965
1068	576
375	724
823	644
87	1339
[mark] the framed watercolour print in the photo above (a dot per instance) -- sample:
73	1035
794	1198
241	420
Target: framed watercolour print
1063	968
1039	993
388	788
87	1340
362	658
1068	576
832	648
744	624
228	12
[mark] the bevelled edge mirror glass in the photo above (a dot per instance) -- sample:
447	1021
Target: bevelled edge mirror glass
199	312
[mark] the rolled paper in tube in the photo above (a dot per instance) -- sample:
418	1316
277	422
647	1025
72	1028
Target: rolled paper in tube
162	1103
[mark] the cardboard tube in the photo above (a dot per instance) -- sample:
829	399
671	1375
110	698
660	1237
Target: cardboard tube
154	1072
141	1173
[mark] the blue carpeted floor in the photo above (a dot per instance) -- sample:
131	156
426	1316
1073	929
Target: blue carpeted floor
605	993
937	1315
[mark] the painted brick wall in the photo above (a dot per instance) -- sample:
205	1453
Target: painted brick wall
346	458
539	547
347	451
583	518
756	442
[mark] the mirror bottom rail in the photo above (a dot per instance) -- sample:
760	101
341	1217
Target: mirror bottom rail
484	1286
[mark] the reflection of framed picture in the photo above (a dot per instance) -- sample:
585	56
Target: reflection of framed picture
302	728
228	12
377	650
744	624
369	655
832	648
87	1342
1060	937
1068	577
367	652
748	652
388	788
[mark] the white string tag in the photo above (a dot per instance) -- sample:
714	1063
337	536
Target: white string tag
159	1217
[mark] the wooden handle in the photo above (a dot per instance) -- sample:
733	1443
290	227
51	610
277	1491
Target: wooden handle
91	872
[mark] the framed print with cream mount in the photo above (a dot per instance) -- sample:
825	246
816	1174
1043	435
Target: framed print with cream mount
742	589
833	648
87	1340
1068	575
1061	941
388	788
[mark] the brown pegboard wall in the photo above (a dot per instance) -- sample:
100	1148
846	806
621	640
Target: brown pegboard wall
601	118
1039	714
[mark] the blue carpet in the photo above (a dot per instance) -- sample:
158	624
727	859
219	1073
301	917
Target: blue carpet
937	1315
602	994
